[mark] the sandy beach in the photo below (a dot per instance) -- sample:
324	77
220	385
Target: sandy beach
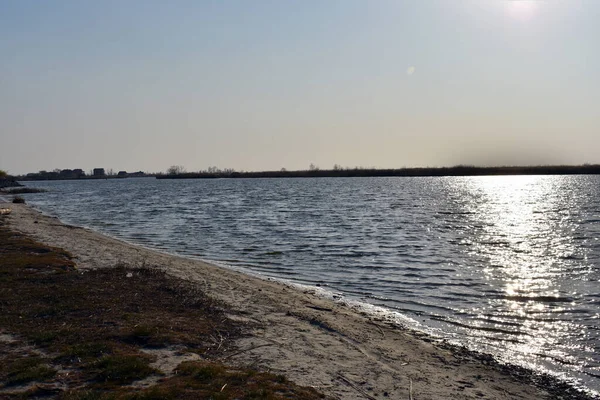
313	341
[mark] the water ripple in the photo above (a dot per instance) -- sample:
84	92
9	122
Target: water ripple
507	265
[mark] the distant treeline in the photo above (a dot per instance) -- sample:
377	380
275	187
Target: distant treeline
460	170
178	172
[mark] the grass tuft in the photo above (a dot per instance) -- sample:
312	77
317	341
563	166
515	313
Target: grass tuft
86	351
123	369
28	370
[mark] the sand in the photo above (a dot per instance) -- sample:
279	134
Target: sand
313	341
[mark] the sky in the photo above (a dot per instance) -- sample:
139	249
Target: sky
270	84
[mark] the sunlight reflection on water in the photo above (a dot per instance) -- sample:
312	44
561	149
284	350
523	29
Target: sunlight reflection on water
507	265
525	227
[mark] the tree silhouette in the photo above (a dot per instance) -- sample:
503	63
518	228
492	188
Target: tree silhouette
175	170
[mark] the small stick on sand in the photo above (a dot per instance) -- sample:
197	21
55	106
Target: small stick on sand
245	350
410	390
222	339
319	308
353	386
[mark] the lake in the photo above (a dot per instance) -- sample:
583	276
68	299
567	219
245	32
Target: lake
508	265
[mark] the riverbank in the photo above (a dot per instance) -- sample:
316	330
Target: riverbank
8	183
312	341
115	333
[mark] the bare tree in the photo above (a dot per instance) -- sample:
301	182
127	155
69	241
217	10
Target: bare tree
175	170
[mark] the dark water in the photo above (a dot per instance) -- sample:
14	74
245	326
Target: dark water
507	265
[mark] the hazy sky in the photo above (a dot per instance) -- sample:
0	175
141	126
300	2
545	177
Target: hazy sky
261	85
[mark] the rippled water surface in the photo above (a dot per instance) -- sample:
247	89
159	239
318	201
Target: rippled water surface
508	265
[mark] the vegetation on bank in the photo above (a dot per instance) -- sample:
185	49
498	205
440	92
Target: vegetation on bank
71	334
6	180
178	172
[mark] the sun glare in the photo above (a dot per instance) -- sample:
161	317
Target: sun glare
522	9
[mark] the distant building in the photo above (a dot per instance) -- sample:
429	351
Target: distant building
122	174
66	174
99	172
78	172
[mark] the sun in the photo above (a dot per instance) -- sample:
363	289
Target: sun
522	9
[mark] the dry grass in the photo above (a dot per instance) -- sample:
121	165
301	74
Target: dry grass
88	330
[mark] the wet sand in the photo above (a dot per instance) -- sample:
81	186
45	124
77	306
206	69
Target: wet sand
313	341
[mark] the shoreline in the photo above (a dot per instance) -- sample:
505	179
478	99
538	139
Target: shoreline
339	171
312	340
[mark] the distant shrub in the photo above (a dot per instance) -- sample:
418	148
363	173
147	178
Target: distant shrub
3	174
18	200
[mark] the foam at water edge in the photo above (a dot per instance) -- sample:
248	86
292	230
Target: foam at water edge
401	321
376	312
